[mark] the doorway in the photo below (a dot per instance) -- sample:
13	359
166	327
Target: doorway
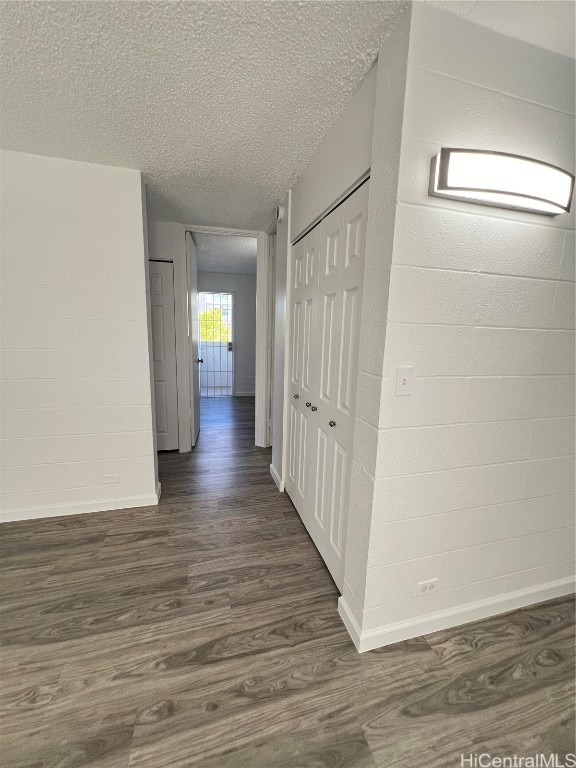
216	345
213	260
162	309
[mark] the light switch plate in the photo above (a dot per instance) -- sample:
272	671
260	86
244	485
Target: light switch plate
404	374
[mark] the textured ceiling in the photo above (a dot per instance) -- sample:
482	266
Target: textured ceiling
226	253
220	104
547	23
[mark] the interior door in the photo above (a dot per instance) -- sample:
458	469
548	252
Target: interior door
326	518
304	295
164	353
342	238
326	291
194	336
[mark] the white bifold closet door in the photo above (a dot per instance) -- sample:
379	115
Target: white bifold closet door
325	299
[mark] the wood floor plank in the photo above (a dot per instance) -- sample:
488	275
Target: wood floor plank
528	627
408	732
204	631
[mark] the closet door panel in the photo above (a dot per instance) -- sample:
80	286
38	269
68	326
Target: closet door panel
304	296
321	499
340	474
342	236
325	304
354	213
346	375
293	482
329	304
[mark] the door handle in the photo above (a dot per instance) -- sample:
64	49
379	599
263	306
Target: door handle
331	423
296	397
229	346
308	405
314	408
200	360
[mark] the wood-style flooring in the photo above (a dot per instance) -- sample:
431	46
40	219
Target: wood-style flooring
205	632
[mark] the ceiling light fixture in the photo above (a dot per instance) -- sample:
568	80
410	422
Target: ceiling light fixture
502	180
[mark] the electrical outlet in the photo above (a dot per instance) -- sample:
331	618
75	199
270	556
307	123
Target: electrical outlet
427	587
110	479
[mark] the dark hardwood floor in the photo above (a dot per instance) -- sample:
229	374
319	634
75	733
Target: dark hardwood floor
204	632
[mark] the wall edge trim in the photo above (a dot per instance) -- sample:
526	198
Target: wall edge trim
276	477
350	623
463	614
79	508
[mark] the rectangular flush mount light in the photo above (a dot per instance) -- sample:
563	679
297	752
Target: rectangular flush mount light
500	179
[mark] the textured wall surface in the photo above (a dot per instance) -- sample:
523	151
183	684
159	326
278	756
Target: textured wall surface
75	368
221	105
244	289
471	478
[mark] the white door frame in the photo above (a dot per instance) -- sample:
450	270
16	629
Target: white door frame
262	389
193	333
177	255
287	326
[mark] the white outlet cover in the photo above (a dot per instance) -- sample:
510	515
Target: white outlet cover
427	587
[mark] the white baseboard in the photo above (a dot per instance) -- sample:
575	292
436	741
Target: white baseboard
463	614
276	477
349	622
158	491
79	508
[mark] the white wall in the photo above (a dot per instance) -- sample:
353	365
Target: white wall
471	478
244	289
385	163
342	157
76	377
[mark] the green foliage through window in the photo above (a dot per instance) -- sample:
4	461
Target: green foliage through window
213	327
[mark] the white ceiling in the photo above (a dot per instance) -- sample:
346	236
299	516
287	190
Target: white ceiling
220	104
226	253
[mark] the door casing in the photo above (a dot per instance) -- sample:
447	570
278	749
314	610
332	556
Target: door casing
163	325
263	385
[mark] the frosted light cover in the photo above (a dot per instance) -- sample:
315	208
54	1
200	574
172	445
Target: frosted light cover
502	180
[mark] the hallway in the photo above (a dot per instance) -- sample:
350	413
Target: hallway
225	461
204	632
